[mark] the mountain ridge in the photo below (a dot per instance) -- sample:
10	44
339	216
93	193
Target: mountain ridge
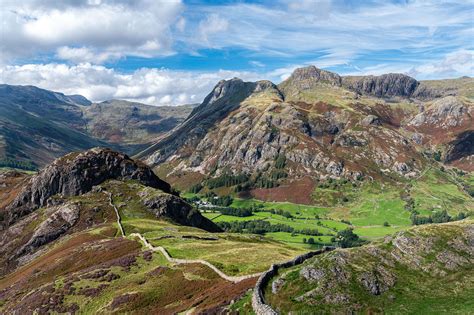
38	125
324	125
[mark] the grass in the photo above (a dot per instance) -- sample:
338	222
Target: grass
235	254
416	290
297	240
368	205
376	232
436	190
325	226
296	210
7	169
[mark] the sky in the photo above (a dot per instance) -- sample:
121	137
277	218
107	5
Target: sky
165	52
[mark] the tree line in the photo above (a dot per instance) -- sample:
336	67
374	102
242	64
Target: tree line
261	227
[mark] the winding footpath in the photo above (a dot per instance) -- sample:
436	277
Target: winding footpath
162	250
119	219
258	301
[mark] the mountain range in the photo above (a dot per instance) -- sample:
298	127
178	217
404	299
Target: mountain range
319	125
37	125
322	194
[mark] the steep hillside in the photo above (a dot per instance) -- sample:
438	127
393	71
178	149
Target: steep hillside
37	126
424	270
48	204
96	232
318	125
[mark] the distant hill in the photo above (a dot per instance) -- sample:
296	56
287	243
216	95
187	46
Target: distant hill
38	125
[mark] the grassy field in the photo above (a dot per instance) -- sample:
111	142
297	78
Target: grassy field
373	209
235	254
7	169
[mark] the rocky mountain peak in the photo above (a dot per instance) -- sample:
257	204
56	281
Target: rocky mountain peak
305	78
76	174
224	88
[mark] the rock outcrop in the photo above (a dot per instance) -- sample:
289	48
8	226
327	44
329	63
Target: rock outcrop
166	206
444	113
60	220
309	77
358	279
226	97
386	85
76	174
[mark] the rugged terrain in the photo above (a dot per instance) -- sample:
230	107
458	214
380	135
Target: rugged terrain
324	125
426	269
68	243
37	126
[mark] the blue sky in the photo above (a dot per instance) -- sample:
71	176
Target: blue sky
171	52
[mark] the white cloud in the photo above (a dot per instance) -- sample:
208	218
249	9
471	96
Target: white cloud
451	65
104	28
98	83
345	32
456	64
213	24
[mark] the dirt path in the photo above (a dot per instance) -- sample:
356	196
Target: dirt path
119	219
165	253
234	279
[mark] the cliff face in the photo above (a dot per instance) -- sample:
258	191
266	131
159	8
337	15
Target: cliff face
81	191
76	174
322	124
224	98
386	85
166	206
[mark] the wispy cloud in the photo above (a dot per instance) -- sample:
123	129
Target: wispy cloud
63	45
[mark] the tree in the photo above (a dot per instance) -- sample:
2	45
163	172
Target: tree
304	240
311	240
441	217
347	238
386	223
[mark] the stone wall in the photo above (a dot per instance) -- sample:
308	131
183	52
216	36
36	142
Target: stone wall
258	301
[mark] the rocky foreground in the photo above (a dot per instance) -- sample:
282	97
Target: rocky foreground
68	196
427	269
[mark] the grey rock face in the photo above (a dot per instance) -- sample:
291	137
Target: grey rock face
306	78
386	85
76	174
312	274
377	281
59	222
446	112
371	120
335	168
224	98
171	207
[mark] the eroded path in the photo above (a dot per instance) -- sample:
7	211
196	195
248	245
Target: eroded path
162	250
